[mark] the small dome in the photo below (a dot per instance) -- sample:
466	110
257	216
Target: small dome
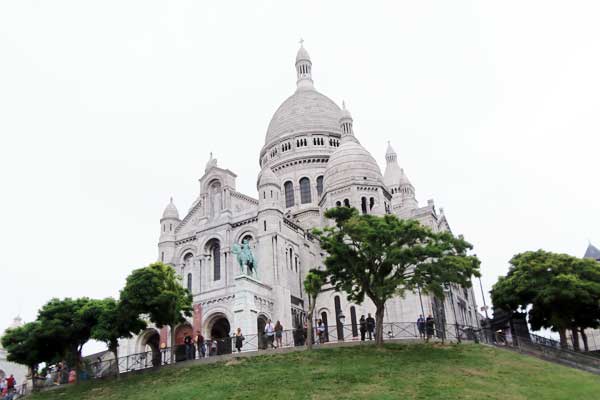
345	113
351	163
302	55
304	111
403	179
393	172
267	177
171	211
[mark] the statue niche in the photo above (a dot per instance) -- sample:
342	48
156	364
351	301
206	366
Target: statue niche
245	258
215	198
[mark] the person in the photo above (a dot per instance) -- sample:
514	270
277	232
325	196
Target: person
239	339
278	333
270	333
189	347
429	326
200	344
213	347
10	383
421	326
370	325
363	327
320	332
72	376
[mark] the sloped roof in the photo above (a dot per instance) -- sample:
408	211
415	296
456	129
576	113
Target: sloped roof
592	252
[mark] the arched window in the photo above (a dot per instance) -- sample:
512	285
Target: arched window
291	256
338	312
162	256
265	225
363	205
371	203
320	185
346	203
189	282
215	251
289	194
338	204
353	321
305	191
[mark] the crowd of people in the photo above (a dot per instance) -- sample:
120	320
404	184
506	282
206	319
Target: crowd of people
8	388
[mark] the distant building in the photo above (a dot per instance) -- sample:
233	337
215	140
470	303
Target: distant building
7	368
592	252
593	335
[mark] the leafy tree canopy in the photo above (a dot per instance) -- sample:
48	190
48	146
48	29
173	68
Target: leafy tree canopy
380	257
26	345
559	291
156	291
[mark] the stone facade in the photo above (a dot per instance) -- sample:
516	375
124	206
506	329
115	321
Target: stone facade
311	161
8	368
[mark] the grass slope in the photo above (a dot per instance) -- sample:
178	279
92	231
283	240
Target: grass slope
361	372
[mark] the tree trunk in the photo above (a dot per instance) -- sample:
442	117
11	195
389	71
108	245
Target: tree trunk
575	338
584	339
563	338
309	324
379	324
172	334
115	351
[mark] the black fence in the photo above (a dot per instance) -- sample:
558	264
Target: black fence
410	331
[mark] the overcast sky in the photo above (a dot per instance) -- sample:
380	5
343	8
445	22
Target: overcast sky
109	108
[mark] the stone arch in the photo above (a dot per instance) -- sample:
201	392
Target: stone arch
245	232
181	331
149	341
261	322
184	250
219	328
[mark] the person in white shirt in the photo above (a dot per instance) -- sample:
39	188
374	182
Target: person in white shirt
270	332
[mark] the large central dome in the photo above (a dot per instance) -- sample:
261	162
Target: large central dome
305	111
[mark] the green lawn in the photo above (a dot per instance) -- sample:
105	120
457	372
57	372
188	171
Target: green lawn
361	372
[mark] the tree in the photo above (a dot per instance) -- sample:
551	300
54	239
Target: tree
113	322
25	345
67	327
156	291
381	257
558	291
313	283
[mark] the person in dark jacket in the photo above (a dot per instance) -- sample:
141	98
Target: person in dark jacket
370	326
429	327
200	344
363	327
189	347
239	340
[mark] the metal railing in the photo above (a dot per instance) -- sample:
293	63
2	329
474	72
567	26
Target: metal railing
261	342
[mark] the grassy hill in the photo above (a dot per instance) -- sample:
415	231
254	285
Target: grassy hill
360	372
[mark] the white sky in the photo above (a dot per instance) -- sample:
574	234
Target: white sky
109	108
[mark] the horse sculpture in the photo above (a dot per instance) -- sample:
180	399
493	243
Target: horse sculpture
245	258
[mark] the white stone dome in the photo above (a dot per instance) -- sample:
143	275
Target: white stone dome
351	163
171	211
302	54
268	177
305	111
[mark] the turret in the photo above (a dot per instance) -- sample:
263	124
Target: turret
269	198
403	192
303	68
168	223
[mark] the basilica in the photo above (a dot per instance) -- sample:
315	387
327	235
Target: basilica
244	257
